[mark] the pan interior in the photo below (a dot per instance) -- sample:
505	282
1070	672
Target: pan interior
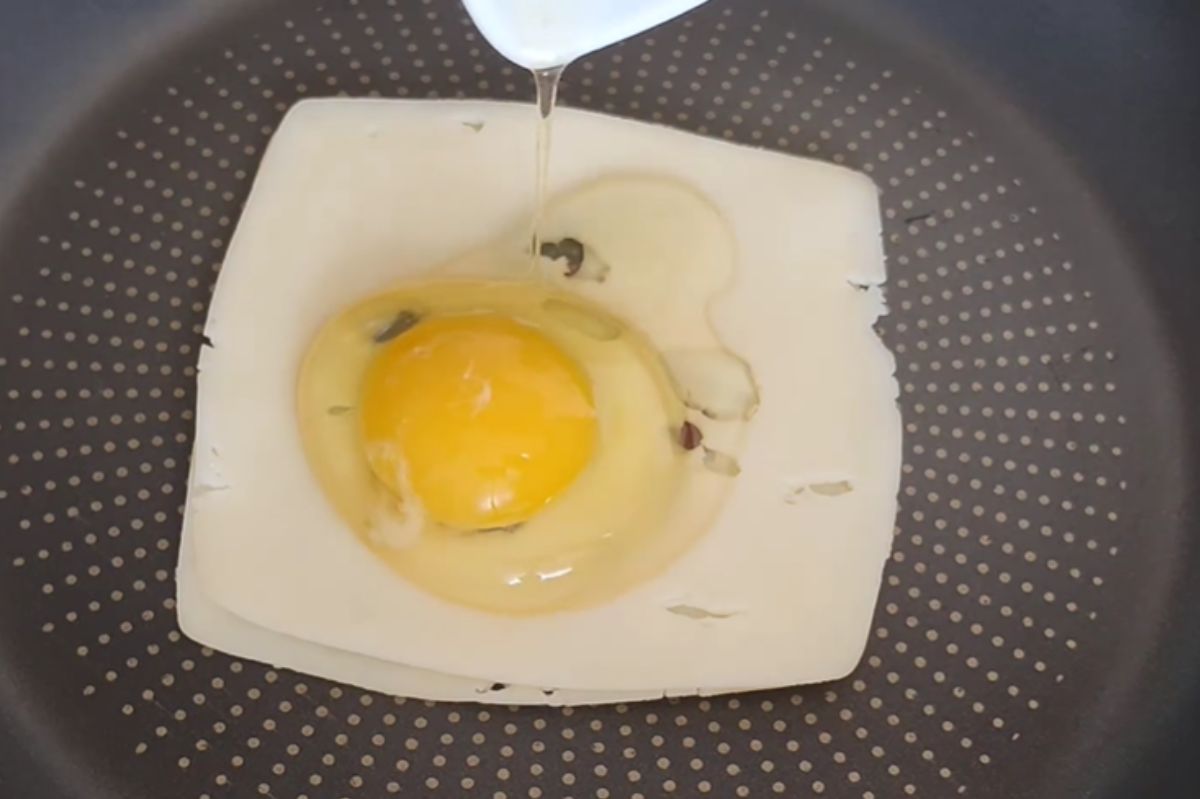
1023	580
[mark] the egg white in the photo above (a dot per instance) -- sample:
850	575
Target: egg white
620	521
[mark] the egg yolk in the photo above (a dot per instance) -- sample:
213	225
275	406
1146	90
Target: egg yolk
484	419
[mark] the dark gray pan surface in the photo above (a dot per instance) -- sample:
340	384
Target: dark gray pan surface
1035	630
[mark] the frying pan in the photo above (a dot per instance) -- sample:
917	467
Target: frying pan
1035	635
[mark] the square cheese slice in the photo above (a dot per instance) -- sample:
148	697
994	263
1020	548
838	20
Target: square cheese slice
353	195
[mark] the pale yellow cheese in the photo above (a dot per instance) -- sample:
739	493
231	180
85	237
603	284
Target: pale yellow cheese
353	195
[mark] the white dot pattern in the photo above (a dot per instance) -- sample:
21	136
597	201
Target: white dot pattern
1007	548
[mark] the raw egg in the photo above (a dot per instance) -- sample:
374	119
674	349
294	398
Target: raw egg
502	444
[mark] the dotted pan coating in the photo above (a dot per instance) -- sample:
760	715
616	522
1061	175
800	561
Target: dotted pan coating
1011	595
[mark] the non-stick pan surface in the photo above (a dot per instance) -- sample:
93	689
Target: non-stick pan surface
1035	634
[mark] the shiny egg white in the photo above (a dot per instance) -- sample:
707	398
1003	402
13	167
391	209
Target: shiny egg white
640	501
